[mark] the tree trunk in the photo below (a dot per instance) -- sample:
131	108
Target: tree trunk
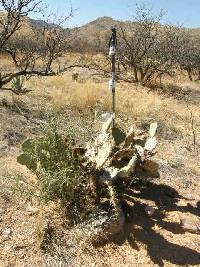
135	74
142	76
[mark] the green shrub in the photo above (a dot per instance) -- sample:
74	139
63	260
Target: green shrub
53	160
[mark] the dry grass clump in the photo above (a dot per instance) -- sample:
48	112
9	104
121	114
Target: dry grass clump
83	96
135	101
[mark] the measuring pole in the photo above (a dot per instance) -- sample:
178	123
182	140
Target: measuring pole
112	54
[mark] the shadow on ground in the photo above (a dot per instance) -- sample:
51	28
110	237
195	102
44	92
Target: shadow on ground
139	228
182	93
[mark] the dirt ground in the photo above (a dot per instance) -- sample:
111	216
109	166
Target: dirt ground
170	237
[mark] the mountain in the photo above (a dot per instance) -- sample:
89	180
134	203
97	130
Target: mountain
104	24
41	24
97	31
98	28
101	24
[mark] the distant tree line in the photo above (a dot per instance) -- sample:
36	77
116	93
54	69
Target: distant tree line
148	50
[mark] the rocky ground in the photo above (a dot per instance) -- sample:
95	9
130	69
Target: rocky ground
162	220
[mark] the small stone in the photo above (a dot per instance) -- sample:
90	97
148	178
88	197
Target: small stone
31	210
190	224
7	234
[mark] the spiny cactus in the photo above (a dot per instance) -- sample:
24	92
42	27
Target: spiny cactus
112	161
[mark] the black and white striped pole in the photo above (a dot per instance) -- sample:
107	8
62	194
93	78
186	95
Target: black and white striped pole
112	54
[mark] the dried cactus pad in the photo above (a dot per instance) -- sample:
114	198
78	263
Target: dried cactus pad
153	129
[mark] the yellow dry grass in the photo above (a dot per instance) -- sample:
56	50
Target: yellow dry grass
133	100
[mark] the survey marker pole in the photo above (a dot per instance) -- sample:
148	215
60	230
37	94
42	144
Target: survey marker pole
112	54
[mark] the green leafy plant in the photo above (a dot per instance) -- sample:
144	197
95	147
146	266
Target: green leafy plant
53	160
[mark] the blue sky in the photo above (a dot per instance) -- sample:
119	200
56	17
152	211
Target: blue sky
181	12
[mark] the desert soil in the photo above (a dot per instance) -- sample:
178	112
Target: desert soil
170	237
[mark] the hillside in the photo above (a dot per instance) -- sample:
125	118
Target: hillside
170	237
76	191
90	31
102	26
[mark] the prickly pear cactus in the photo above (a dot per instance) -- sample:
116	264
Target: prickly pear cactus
118	155
114	156
27	157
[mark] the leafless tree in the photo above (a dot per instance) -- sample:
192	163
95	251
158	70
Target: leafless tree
12	13
147	51
188	54
33	53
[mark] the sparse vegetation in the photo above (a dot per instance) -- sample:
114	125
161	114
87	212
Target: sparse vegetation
53	159
34	54
72	190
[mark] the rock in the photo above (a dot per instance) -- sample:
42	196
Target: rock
190	224
149	210
31	210
7	234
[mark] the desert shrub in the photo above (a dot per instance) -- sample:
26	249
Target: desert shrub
59	170
17	85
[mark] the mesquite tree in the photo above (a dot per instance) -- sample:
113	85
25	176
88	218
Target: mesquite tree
188	54
33	52
147	50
